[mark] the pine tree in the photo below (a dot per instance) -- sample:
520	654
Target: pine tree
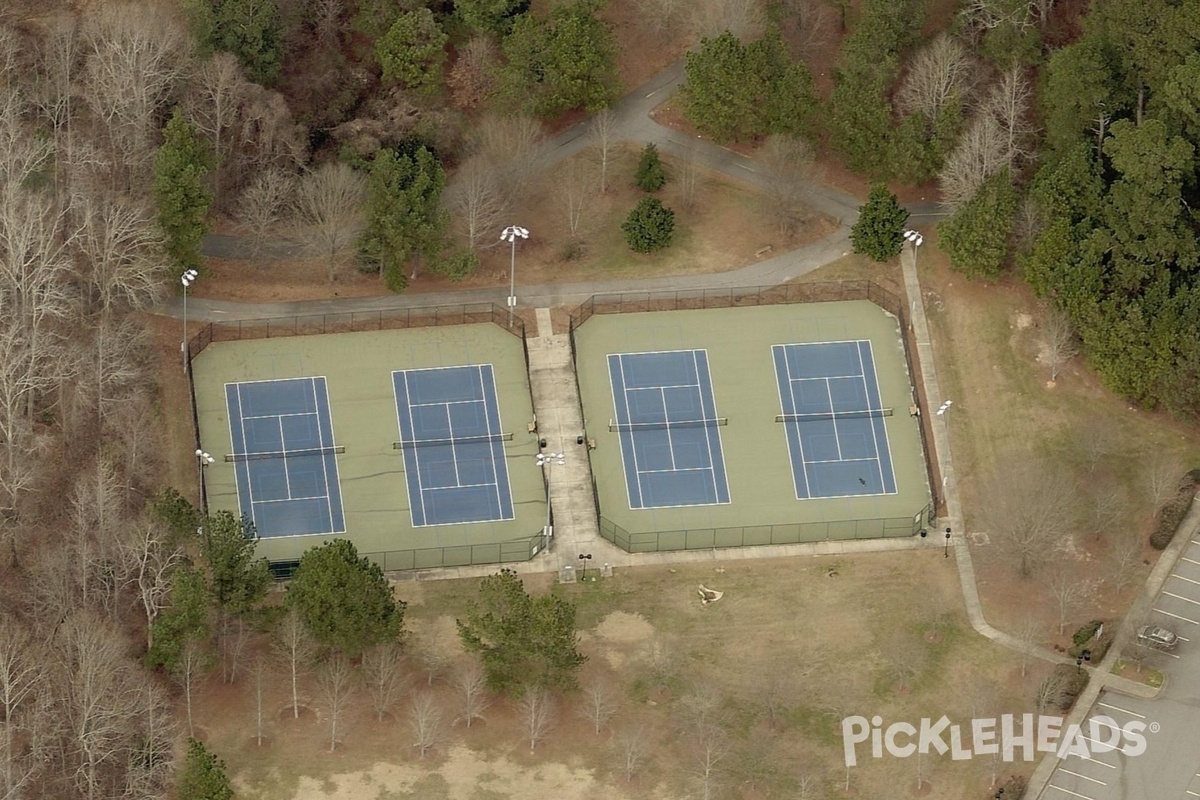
650	175
649	226
879	232
183	200
203	775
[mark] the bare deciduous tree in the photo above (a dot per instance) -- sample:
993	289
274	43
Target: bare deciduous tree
631	745
1049	692
787	161
602	131
264	203
194	661
513	143
269	138
122	250
689	176
213	108
1008	102
335	682
1162	476
599	704
1124	560
662	660
662	16
150	557
22	672
743	18
478	202
1030	506
809	25
473	77
1061	344
471	684
329	212
134	61
574	188
710	746
259	669
940	74
295	648
536	711
981	153
384	677
1027	635
425	722
1069	595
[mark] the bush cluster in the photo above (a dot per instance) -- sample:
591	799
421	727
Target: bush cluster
1073	680
1083	640
1170	515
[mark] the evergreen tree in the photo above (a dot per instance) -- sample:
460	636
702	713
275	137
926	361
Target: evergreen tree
203	775
649	226
183	200
345	601
413	51
405	217
521	640
250	29
976	238
237	580
490	16
567	61
879	232
650	175
184	620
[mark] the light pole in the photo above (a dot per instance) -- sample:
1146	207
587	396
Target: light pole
946	549
510	235
187	279
583	559
203	459
916	239
544	460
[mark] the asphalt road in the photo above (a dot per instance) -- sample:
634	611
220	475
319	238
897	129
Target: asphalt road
1169	769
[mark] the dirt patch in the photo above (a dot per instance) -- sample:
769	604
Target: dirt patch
620	636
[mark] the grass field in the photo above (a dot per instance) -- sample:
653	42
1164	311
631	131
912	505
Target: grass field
793	646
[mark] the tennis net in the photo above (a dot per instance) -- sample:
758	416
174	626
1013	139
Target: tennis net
834	415
460	440
308	451
614	427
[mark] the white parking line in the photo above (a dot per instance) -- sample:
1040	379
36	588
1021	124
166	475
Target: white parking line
1094	761
1193	794
1181	597
1176	616
1190	561
1122	710
1081	775
1189	580
1068	791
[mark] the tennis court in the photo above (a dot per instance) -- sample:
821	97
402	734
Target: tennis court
833	419
453	445
667	421
285	459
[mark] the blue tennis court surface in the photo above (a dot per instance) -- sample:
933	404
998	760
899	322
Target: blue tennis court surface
667	420
833	419
453	445
284	456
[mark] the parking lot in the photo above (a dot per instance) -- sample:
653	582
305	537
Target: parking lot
1170	766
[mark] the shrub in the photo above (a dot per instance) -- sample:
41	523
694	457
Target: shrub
1170	515
1074	680
1086	632
650	175
1012	789
649	226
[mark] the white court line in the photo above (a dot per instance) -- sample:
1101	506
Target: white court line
321	443
840	460
289	499
808	487
676	469
637	473
273	416
1176	616
1122	710
1181	597
836	438
420	498
662	396
1068	791
704	415
829	377
1081	775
